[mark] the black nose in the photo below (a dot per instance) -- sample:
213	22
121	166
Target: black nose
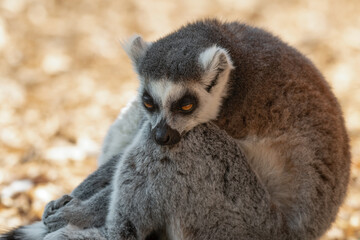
165	135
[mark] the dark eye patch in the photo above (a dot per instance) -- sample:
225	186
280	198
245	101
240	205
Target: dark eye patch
187	99
147	99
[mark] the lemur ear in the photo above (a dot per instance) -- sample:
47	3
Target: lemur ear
135	48
215	61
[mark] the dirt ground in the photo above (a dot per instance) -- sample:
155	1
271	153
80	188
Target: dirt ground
64	78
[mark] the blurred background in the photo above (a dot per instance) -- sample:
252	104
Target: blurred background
64	79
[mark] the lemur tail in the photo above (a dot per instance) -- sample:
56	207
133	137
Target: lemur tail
35	231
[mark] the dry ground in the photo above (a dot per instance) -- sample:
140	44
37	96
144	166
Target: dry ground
64	78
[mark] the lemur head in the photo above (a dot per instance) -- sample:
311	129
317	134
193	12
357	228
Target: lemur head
183	83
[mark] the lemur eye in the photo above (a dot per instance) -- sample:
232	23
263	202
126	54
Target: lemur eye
148	102
148	105
187	107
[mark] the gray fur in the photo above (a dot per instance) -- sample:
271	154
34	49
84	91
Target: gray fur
175	56
209	192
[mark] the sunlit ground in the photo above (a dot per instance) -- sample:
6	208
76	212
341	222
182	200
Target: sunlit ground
64	78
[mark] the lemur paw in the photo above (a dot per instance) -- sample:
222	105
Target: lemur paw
62	211
54	205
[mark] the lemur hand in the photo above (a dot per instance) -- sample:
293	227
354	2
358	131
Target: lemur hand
60	212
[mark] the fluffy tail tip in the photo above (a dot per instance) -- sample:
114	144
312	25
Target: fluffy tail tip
35	231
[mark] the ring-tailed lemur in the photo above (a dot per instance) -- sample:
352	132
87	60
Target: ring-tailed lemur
261	92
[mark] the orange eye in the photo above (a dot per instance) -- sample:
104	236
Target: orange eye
187	107
148	105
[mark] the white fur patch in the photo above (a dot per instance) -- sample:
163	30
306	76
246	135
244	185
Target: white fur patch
207	56
165	91
174	230
122	131
212	57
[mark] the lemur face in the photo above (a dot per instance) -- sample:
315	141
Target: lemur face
175	106
171	108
